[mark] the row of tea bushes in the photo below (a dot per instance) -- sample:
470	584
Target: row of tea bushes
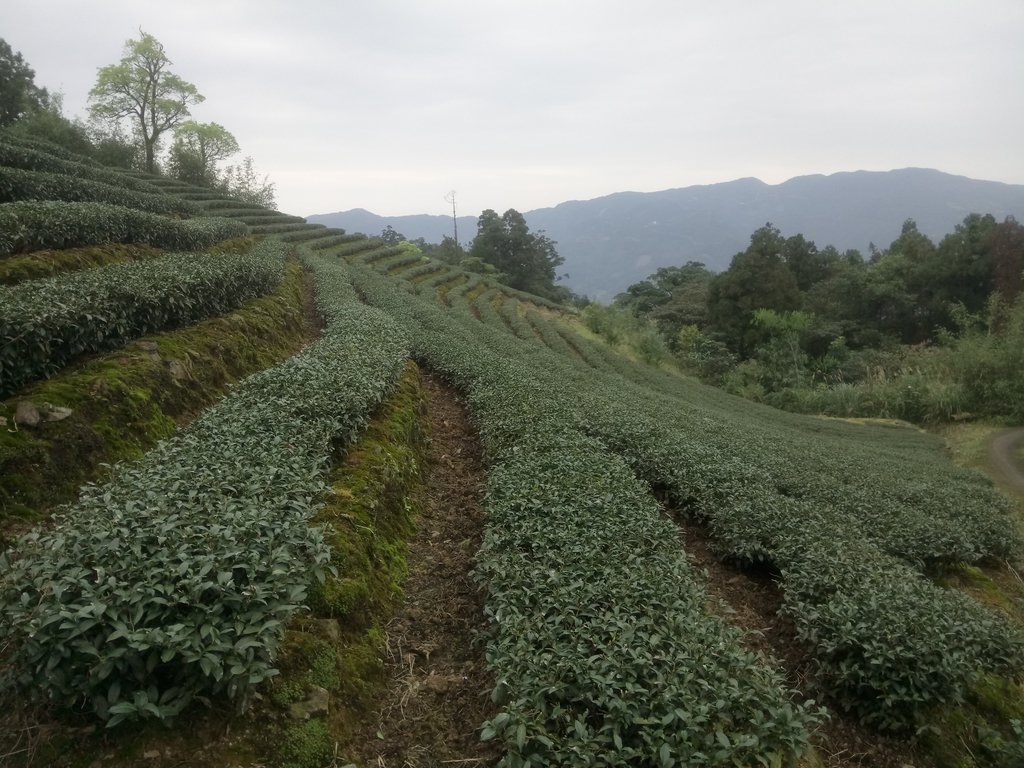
174	579
602	641
16	184
37	225
890	644
46	323
27	158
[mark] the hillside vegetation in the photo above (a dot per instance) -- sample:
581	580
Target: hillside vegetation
921	332
240	552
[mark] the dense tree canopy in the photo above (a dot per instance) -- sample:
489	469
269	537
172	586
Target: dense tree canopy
673	297
19	93
197	149
757	278
526	259
787	318
142	89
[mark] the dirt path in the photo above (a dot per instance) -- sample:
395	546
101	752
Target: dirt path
440	691
1002	454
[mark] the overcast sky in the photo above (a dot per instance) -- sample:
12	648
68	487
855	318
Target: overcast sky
387	105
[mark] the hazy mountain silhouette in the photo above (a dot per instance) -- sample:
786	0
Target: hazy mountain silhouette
610	242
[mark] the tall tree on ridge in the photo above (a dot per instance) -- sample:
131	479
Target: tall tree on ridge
527	259
142	89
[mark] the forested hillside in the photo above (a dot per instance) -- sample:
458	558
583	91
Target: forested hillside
611	242
922	331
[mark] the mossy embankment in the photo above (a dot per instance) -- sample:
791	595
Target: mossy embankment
117	406
376	491
39	264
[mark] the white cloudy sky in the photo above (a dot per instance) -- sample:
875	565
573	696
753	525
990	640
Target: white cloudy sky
387	105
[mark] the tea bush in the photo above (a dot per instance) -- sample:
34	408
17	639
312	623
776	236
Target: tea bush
850	518
16	184
32	226
174	580
46	323
30	159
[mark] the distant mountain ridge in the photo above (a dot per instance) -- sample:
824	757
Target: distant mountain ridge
612	241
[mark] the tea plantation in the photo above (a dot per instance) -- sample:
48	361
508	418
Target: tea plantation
169	580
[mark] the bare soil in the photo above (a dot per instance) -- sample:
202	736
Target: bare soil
314	323
754	598
440	688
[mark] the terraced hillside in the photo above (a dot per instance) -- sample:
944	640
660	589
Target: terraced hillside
261	387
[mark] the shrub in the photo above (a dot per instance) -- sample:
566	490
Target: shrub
46	323
32	226
16	185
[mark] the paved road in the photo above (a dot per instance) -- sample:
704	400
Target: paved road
1002	453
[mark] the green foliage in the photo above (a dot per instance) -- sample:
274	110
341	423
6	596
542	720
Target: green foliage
447	251
650	347
849	520
757	278
175	579
51	126
606	322
46	323
141	89
673	297
596	616
974	373
526	259
782	357
308	744
389	236
32	226
619	326
19	94
197	149
124	402
279	229
707	358
18	138
15	269
913	293
19	185
335	240
244	183
312	232
260	218
16	155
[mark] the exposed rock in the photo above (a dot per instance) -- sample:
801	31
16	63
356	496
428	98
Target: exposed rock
56	412
153	754
26	414
178	371
318	703
146	346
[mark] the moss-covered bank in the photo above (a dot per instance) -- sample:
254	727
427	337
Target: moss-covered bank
338	647
122	403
